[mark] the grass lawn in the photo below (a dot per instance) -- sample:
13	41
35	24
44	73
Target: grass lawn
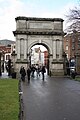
9	99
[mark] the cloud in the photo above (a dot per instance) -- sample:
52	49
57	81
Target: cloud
10	9
7	19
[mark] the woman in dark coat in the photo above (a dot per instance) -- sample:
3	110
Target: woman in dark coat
28	74
23	73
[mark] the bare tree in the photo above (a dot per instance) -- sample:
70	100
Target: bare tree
73	19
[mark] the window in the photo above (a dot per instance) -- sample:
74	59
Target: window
79	45
7	57
67	40
14	47
73	46
66	47
78	42
67	55
73	39
22	46
79	38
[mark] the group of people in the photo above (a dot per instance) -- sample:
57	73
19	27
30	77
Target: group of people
31	70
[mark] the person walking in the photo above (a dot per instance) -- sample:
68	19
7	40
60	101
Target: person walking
43	71
38	70
33	70
9	67
23	73
28	74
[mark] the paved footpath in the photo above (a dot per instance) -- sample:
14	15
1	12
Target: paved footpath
54	99
4	75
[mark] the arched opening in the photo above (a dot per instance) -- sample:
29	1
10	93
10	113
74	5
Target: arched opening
39	55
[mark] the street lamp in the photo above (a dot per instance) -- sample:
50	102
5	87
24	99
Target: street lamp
13	56
3	53
64	65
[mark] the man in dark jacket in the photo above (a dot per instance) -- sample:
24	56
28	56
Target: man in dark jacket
23	73
28	74
43	71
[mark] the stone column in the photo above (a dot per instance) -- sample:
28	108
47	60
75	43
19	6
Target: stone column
60	49
54	49
18	49
25	47
57	48
50	64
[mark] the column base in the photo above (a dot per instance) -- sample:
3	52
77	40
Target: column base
55	72
57	68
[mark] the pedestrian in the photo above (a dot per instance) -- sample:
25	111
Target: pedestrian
2	67
33	70
38	70
23	73
9	67
28	74
73	73
6	68
43	71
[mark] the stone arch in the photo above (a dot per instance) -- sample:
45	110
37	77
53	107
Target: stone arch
44	31
44	44
48	49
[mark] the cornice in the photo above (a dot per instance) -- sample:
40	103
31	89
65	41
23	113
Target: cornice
38	19
37	33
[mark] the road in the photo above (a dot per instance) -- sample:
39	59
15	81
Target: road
55	98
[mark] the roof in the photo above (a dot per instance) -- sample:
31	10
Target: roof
6	42
38	19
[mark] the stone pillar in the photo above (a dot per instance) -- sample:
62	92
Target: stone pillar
50	64
60	49
25	47
13	57
54	50
57	63
57	48
18	49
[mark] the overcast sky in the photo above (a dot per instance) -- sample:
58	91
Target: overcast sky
10	9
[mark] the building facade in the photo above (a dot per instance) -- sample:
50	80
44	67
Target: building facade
72	44
72	48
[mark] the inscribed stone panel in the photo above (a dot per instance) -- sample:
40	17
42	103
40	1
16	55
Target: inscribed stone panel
40	25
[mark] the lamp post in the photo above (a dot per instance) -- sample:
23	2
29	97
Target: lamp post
13	55
64	65
3	53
